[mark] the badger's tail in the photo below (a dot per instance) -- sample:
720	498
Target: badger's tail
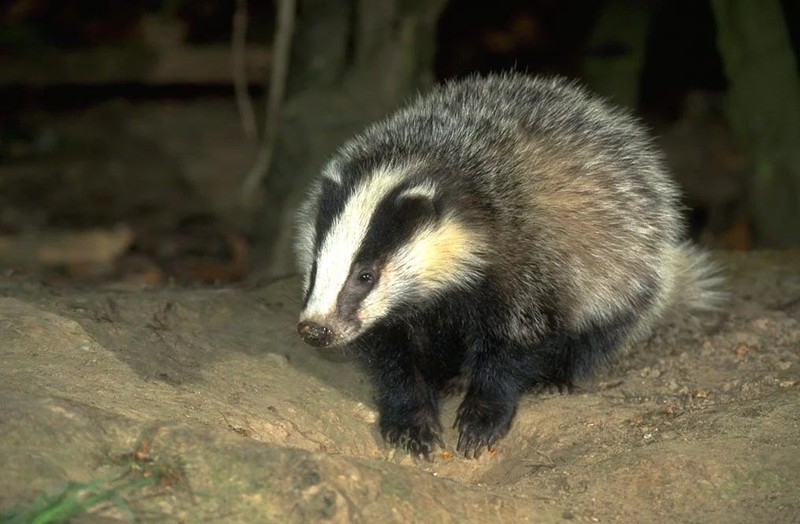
692	283
696	281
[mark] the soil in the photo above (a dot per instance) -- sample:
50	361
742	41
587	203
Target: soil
699	424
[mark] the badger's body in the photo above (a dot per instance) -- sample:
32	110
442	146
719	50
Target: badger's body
508	229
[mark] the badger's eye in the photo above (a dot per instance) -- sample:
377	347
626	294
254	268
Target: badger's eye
366	277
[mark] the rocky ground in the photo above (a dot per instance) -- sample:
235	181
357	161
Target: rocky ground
209	394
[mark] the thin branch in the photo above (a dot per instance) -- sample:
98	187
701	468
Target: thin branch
277	87
239	61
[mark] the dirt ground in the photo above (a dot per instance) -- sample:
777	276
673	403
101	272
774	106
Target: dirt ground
699	424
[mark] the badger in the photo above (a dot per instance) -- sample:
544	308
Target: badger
508	231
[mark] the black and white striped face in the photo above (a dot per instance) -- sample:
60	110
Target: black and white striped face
369	246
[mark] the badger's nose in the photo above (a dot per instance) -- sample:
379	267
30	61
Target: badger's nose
315	334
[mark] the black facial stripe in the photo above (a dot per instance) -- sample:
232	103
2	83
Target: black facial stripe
311	281
350	298
393	223
332	199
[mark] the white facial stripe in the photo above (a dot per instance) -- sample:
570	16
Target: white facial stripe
343	240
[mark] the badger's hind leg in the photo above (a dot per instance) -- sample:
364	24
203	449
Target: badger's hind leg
405	392
579	354
502	370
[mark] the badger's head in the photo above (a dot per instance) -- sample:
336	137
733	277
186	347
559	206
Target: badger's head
378	245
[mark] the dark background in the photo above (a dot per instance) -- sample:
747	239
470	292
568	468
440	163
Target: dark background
99	137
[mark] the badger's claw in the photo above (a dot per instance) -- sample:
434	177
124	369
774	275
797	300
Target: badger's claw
418	440
480	425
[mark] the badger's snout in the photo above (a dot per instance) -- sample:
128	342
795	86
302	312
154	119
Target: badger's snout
315	334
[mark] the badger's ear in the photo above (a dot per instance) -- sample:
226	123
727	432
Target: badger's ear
423	190
417	209
422	199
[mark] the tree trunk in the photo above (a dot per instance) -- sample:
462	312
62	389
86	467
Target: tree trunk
764	110
615	54
352	61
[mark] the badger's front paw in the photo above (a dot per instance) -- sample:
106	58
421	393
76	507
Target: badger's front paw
418	439
481	424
